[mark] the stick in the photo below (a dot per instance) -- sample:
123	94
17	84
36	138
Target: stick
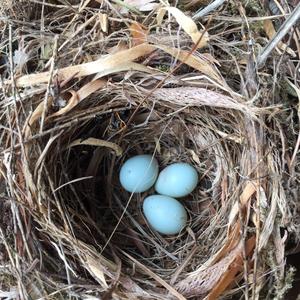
212	6
283	30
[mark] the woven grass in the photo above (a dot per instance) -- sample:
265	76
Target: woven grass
86	85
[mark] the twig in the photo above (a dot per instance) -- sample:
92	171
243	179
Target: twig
209	8
283	30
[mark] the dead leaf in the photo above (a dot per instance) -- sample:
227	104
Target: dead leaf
195	62
200	282
140	5
233	238
104	65
121	61
195	157
210	58
160	16
138	32
37	113
188	25
90	88
96	270
130	66
98	143
121	46
205	280
103	19
233	269
71	103
77	97
246	195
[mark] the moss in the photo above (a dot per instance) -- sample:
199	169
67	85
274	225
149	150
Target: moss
253	6
287	89
7	281
164	68
285	284
282	283
257	27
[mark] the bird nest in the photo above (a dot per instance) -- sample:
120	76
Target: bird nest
101	88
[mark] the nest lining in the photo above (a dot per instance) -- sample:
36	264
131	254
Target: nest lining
173	139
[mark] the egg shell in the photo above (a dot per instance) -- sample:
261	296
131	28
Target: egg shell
165	214
177	180
139	173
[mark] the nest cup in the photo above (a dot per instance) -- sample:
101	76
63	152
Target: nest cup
91	232
100	225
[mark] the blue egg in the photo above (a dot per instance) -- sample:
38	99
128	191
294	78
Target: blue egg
177	180
164	214
139	173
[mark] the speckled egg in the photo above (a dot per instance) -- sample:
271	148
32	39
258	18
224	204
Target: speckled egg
177	180
139	173
165	214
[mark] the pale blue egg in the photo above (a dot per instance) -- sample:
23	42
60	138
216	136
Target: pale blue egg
139	173
164	214
177	180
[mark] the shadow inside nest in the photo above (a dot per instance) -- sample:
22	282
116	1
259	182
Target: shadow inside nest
101	213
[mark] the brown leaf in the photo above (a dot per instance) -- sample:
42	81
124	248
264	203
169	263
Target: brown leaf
188	25
121	61
138	32
37	113
77	97
73	101
90	88
103	19
195	62
98	143
96	270
127	66
141	5
246	195
233	238
216	278
233	269
104	64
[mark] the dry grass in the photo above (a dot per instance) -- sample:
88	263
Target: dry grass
87	84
